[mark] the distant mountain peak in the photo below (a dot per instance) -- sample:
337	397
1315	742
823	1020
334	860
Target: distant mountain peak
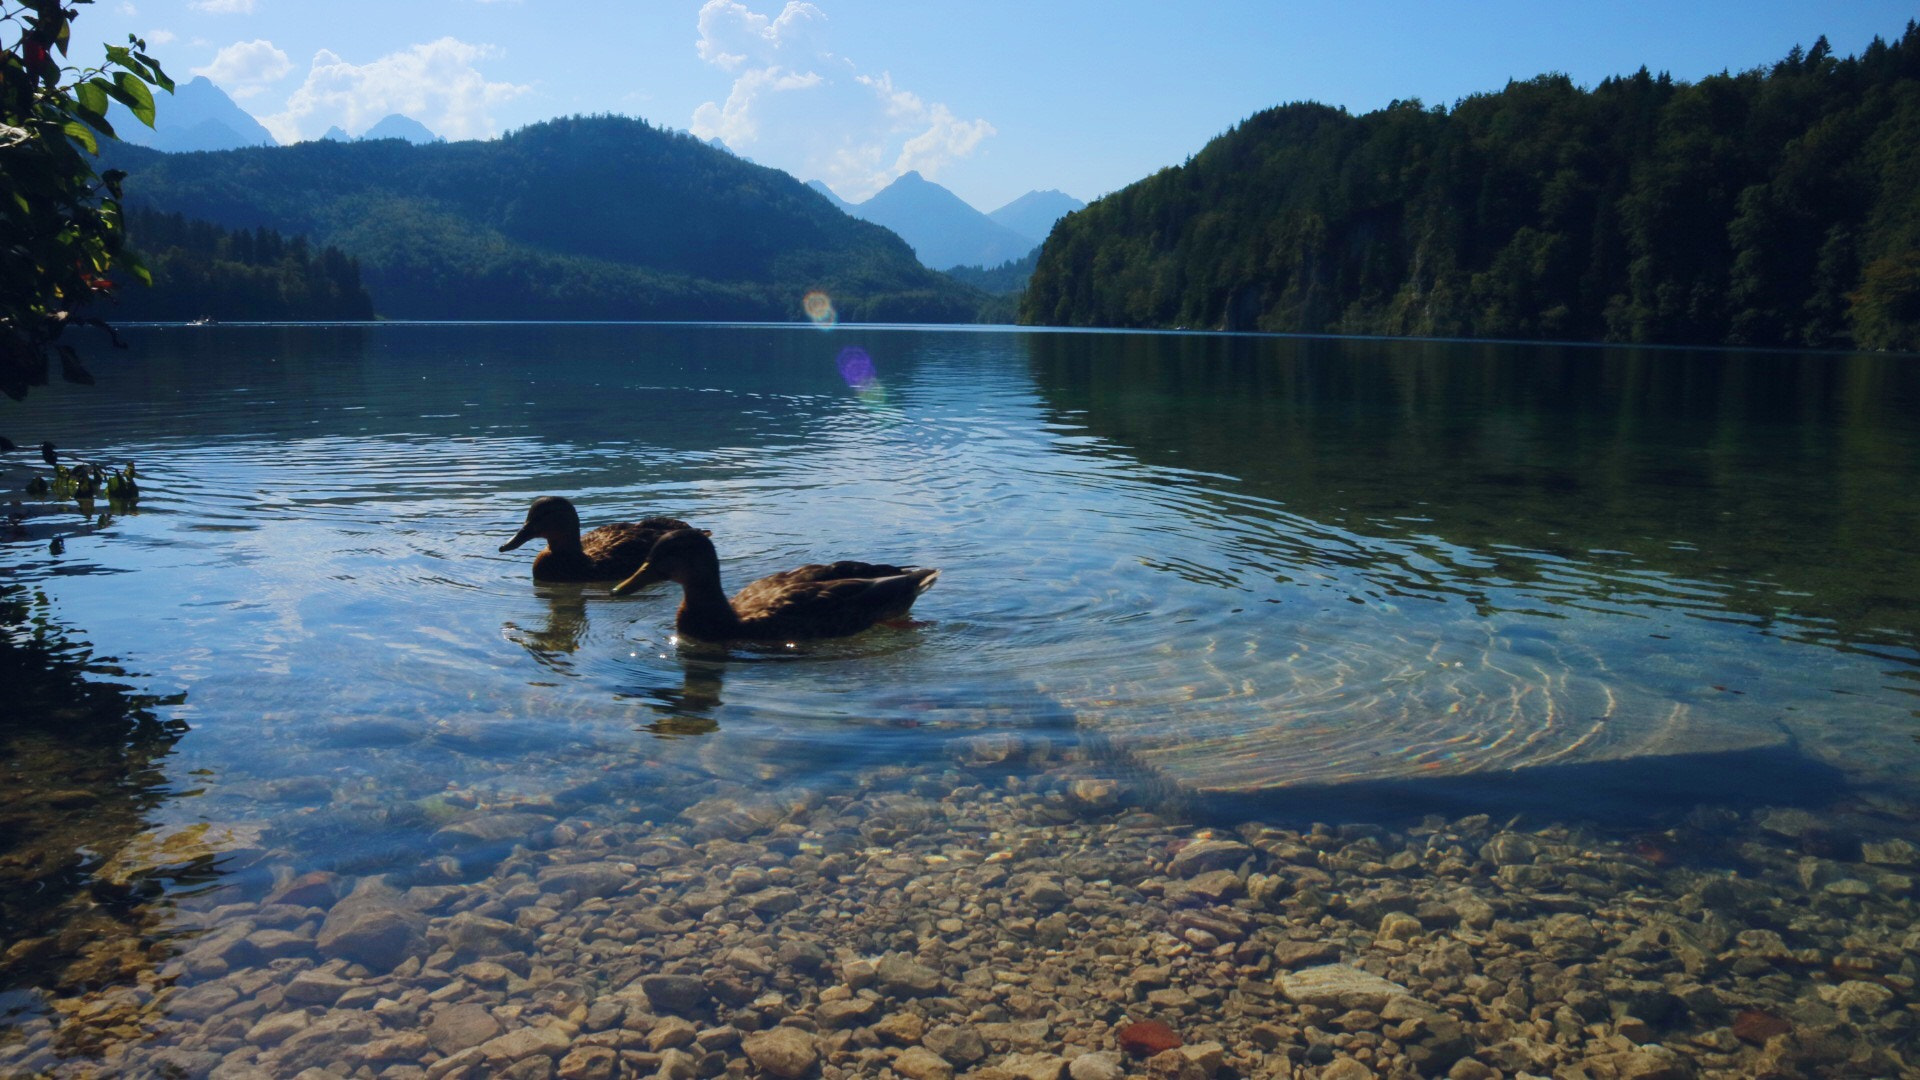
941	227
198	115
1035	212
396	126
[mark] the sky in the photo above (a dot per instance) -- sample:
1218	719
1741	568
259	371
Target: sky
991	98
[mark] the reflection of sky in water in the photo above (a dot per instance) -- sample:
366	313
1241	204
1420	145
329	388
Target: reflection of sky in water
316	567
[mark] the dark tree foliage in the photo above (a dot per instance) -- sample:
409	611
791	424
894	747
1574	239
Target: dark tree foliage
1009	277
201	270
600	217
1771	207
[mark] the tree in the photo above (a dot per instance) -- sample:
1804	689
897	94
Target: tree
61	231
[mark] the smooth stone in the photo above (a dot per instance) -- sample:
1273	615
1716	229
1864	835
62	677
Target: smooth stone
1034	1066
920	1063
785	1052
1338	986
491	829
525	1043
960	1045
1099	1065
904	977
590	880
317	988
461	1026
373	927
1204	855
674	993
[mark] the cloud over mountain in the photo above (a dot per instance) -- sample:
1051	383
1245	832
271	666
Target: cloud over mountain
796	104
439	83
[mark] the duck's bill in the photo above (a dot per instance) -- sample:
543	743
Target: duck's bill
525	534
641	578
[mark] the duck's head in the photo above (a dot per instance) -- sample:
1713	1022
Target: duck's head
678	556
549	515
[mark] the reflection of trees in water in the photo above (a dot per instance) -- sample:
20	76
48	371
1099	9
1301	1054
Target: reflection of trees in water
686	709
82	753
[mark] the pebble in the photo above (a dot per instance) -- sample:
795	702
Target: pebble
1002	930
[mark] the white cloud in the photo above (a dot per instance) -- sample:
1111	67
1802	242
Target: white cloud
160	37
797	105
129	10
436	83
245	68
223	7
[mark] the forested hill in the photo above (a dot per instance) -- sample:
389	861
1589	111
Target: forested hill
1771	207
579	218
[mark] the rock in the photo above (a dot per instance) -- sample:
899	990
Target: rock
1894	852
1213	886
589	1063
1293	954
458	1027
674	993
901	1029
1033	1066
768	903
1145	1038
491	829
318	889
1757	1026
919	1063
373	927
470	936
589	880
851	1013
317	988
1204	855
277	1028
1856	994
203	1001
1046	894
903	977
671	1034
524	1043
1100	1065
1338	986
784	1052
1173	1065
1207	1056
1345	1068
1399	926
960	1045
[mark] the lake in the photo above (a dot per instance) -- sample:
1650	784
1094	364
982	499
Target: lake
1326	606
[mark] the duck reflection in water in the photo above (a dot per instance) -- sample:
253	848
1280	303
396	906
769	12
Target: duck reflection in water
553	644
687	709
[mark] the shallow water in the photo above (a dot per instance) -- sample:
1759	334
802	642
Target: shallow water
1215	565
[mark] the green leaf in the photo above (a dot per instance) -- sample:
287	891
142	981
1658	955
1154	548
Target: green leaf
78	132
92	95
137	96
159	77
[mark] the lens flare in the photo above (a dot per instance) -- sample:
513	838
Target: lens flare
856	367
819	308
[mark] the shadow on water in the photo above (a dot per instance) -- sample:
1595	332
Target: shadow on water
1641	793
83	880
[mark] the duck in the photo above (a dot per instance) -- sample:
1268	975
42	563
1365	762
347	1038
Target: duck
820	600
608	553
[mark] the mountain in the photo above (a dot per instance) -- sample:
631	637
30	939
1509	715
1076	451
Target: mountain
1034	213
1773	207
943	230
839	203
580	218
396	126
197	116
336	133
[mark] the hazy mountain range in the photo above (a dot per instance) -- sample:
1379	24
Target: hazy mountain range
945	232
524	226
197	116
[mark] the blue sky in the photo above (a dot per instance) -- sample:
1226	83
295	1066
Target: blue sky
991	98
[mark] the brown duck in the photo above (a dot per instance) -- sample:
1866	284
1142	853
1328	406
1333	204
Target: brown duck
608	553
816	601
